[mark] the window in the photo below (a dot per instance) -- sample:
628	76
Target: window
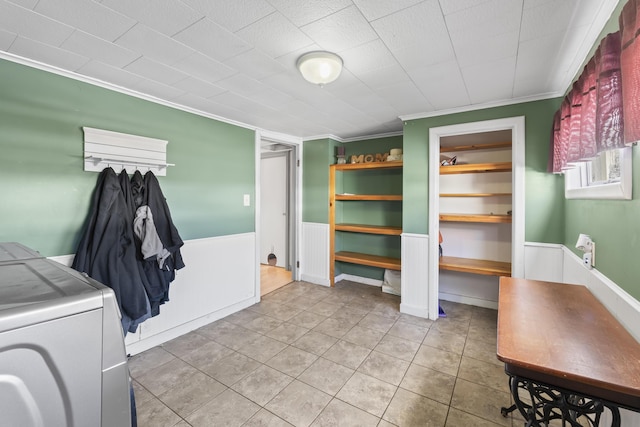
608	176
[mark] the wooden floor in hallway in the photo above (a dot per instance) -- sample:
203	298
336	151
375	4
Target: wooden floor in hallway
272	278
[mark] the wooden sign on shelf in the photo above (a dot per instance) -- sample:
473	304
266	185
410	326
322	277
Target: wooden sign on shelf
369	158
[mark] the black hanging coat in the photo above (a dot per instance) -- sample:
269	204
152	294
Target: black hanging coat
106	251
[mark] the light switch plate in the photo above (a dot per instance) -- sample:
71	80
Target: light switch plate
247	200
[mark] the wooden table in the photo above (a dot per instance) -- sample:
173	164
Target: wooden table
564	351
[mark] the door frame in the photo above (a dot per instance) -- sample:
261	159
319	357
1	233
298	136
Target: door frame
294	200
516	125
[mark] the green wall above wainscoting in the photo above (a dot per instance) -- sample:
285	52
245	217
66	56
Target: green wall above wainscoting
45	192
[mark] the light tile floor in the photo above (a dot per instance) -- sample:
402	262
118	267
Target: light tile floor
309	355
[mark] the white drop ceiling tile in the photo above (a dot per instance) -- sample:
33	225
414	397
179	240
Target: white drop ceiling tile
232	14
29	4
367	57
142	39
93	47
405	98
452	6
546	18
198	87
241	103
302	13
528	4
569	64
6	38
490	82
150	69
253	89
31	25
486	50
255	64
47	54
442	84
209	38
342	30
528	87
106	73
411	58
374	9
166	16
534	59
197	102
158	90
275	35
88	16
203	67
382	77
421	27
485	20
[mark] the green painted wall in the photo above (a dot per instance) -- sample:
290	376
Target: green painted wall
544	192
45	192
317	155
612	224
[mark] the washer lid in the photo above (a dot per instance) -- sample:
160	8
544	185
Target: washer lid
10	251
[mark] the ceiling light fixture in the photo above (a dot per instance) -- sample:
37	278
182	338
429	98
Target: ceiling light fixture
320	67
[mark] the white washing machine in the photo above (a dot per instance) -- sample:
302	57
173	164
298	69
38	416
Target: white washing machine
62	355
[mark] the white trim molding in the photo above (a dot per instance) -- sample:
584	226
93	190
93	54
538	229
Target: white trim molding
416	296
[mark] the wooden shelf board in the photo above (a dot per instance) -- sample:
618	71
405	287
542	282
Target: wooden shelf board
371	229
372	165
475	194
476	266
370	260
475	218
476	168
475	147
391	197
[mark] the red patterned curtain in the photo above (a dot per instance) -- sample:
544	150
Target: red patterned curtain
590	119
630	69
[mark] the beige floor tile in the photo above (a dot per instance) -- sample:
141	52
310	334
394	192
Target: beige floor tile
262	348
264	418
347	354
262	385
398	347
415	320
208	354
263	324
171	374
228	409
334	327
186	397
484	333
476	399
141	394
326	376
238	338
377	321
232	368
457	418
408	331
315	342
282	312
292	361
438	360
148	360
324	308
242	317
218	329
484	373
154	413
287	332
185	344
367	393
481	350
298	404
457	311
408	409
384	367
453	343
429	383
452	325
339	413
307	319
384	423
364	337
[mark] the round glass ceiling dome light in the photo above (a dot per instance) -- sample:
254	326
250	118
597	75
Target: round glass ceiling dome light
320	67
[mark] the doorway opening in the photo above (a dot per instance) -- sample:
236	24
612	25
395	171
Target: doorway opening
277	230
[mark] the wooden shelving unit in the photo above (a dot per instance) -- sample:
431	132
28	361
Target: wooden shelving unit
354	257
466	265
495	219
477	266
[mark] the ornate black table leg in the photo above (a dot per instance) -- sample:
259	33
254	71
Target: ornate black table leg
543	403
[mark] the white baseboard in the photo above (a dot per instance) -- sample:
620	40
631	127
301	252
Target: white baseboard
463	299
315	280
414	310
358	279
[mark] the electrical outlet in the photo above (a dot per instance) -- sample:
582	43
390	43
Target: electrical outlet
587	260
247	200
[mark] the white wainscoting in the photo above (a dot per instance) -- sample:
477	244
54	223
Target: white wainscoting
314	262
219	279
414	283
